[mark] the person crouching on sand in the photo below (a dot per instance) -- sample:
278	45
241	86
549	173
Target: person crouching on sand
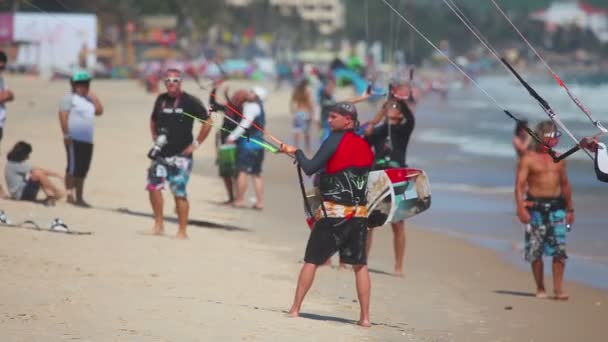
341	221
544	203
24	181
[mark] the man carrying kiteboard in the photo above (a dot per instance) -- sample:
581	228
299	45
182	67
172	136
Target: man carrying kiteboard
544	203
390	141
341	219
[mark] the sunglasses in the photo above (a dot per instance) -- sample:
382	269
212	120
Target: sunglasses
173	80
553	135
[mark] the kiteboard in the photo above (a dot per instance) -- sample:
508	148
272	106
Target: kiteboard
393	195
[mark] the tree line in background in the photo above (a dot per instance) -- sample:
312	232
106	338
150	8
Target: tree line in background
368	20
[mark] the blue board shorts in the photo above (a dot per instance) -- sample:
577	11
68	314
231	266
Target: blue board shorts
172	170
546	233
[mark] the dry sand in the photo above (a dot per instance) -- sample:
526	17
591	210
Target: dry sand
235	276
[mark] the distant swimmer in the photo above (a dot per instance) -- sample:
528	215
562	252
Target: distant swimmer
341	219
544	203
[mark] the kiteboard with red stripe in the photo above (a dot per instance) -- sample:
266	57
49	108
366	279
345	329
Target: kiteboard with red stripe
393	195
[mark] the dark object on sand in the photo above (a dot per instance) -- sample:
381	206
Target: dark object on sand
509	307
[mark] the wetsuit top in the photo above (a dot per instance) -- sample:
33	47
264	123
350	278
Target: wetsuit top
253	119
392	152
344	160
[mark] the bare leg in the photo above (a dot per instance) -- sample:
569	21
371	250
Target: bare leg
52	191
70	187
3	193
156	200
368	242
559	266
258	184
241	188
228	183
363	293
79	192
307	141
537	271
399	246
307	276
296	140
183	207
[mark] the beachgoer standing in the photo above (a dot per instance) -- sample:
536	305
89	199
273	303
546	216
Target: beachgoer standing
326	100
24	181
390	141
249	155
544	203
172	129
77	112
341	220
302	108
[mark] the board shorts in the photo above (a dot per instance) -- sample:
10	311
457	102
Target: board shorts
226	159
546	232
331	235
250	161
173	170
301	123
79	155
30	191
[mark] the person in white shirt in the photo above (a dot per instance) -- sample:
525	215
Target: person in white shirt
249	156
77	113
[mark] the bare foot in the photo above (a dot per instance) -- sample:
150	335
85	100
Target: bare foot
181	236
561	296
399	273
238	204
158	230
70	199
81	203
364	323
258	206
293	313
541	294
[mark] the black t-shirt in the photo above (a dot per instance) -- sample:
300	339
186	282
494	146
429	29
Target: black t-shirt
169	118
395	148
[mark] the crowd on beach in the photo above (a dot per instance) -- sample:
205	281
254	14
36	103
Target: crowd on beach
347	147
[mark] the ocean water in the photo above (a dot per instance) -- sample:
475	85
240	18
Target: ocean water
464	144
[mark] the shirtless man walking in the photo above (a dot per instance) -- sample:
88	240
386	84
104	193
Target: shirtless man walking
544	203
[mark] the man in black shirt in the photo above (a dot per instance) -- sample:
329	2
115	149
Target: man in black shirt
173	163
390	141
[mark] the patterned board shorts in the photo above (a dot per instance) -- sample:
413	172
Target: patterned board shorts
546	233
173	170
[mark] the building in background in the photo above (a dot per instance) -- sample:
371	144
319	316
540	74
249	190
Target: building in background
327	14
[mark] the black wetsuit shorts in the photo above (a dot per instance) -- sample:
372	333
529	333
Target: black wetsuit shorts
331	235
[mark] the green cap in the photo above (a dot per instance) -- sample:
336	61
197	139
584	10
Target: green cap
81	76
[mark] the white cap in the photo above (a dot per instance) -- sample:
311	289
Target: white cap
261	92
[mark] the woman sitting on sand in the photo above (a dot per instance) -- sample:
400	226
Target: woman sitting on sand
24	181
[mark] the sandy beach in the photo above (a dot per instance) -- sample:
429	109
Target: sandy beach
234	278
